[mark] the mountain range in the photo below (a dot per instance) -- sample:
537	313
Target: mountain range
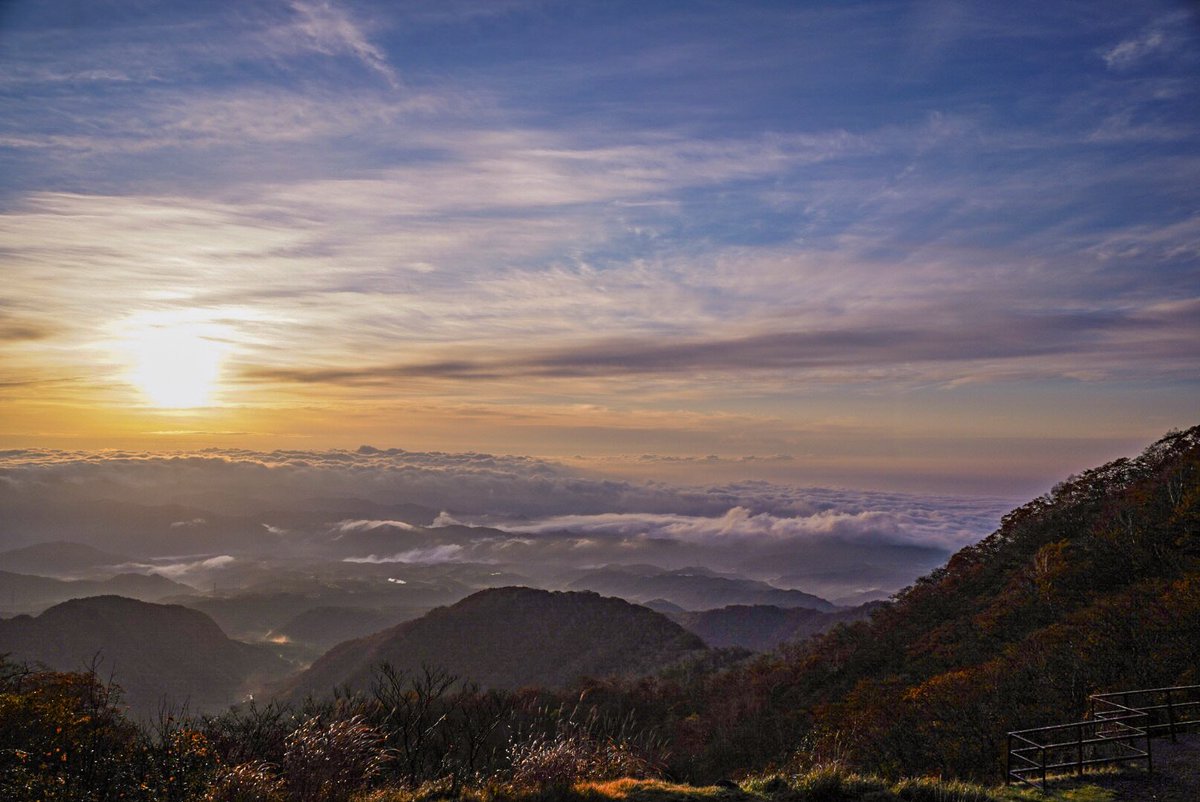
513	637
59	558
160	655
25	593
691	588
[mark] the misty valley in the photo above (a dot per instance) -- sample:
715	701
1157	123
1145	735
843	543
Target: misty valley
232	640
342	570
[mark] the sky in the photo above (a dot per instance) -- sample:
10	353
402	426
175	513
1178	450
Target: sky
932	247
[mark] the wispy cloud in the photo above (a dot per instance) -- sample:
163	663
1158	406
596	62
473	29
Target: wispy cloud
553	228
1164	334
366	526
1158	39
329	29
181	570
450	552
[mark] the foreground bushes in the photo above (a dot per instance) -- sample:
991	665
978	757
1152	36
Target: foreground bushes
64	736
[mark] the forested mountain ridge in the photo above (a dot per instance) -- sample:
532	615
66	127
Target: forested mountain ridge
1093	586
692	589
514	637
160	654
58	557
26	593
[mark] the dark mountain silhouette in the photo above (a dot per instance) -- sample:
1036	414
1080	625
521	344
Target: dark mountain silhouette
691	588
514	637
862	597
126	527
254	615
155	652
760	627
324	627
57	558
24	593
663	606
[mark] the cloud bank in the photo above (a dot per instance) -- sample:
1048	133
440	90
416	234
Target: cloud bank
476	488
529	514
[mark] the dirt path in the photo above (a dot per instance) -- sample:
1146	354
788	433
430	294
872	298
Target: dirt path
1176	776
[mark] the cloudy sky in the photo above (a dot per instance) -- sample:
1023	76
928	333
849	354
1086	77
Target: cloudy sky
951	247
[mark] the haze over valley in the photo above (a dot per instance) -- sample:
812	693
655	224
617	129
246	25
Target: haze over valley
545	400
299	551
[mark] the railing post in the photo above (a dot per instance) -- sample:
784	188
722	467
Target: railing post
1149	759
1008	761
1079	748
1043	762
1171	715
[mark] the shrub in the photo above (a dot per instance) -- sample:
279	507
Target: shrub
329	762
557	762
245	782
62	736
565	759
251	734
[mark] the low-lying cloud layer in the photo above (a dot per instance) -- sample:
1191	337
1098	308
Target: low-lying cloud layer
739	524
508	491
182	570
532	514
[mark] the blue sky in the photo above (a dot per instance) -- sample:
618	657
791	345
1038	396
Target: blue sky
941	245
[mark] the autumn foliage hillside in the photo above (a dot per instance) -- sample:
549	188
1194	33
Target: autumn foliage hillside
512	638
1092	587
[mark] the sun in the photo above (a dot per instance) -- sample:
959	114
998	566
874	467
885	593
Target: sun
176	366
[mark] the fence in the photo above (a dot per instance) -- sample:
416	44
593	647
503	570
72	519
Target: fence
1118	730
1169	710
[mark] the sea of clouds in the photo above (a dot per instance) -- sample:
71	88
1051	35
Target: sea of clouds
548	513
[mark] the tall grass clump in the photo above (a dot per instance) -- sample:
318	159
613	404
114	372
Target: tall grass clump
246	782
330	762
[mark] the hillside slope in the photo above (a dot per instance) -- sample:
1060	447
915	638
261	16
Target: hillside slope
26	593
513	637
325	627
691	588
58	557
155	652
1094	586
762	627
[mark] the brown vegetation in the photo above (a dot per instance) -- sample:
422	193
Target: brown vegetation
1093	587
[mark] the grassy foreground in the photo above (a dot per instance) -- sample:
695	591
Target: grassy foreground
820	785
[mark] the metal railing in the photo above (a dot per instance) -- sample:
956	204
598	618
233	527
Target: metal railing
1034	753
1170	710
1118	730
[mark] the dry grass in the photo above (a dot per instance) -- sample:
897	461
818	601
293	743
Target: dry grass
823	784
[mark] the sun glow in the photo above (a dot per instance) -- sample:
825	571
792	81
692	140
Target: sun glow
176	366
